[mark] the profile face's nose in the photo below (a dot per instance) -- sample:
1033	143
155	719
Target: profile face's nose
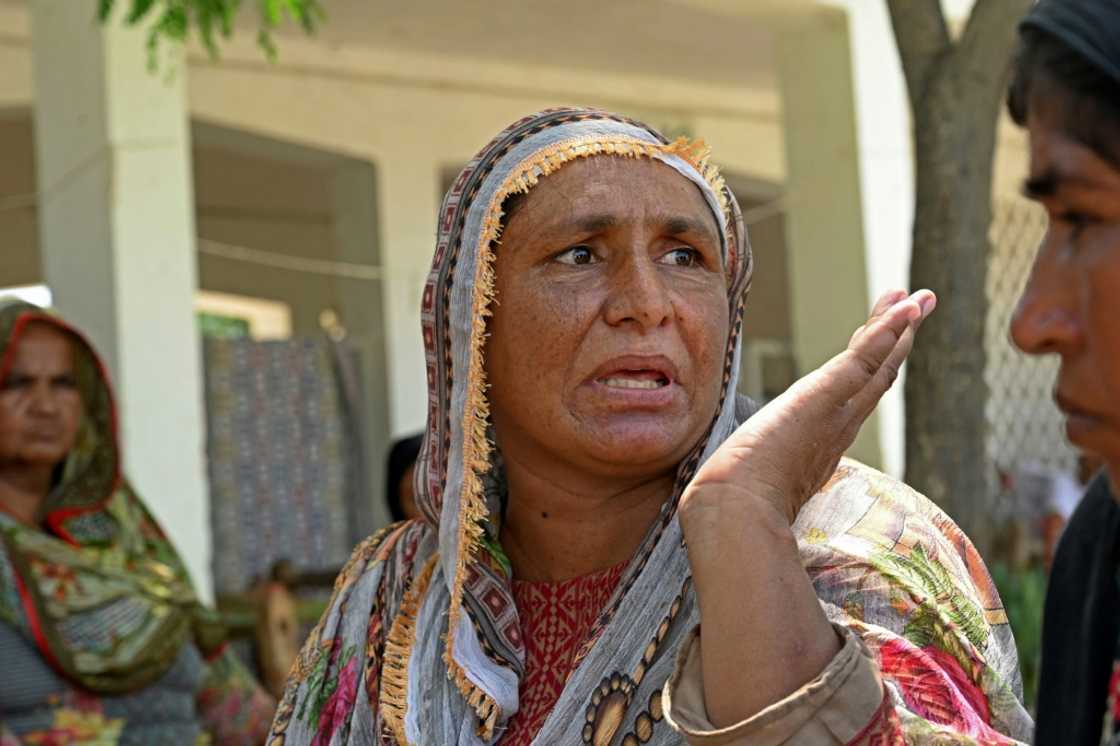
1045	320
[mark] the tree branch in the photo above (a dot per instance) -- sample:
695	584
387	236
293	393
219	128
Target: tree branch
922	37
989	38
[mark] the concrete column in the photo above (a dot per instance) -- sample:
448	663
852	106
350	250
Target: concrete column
828	267
356	234
409	199
117	240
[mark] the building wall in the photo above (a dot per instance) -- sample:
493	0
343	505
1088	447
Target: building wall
412	116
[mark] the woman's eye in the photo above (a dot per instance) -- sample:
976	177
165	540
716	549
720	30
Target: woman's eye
577	255
1077	222
11	383
682	257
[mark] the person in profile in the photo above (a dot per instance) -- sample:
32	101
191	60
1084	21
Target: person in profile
1066	93
400	495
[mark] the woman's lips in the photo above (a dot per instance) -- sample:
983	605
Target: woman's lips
44	435
630	382
1080	423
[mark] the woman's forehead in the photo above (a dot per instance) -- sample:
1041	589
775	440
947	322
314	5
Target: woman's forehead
598	189
43	334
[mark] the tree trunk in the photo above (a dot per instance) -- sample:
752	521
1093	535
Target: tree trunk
956	91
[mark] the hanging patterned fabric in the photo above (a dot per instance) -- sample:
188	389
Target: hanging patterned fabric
280	454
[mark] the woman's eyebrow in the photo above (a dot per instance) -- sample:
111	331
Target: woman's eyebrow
596	223
677	225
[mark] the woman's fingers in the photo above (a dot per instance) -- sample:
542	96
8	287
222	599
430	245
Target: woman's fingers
863	402
886	300
845	375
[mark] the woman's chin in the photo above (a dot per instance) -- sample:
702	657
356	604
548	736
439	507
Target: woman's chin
642	444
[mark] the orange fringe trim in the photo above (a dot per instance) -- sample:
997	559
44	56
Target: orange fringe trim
393	700
476	446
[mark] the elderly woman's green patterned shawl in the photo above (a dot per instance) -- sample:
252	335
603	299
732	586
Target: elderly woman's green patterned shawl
422	644
98	588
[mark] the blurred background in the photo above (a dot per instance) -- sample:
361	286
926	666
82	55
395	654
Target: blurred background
244	231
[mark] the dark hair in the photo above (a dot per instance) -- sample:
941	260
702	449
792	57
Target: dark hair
511	204
402	455
1087	98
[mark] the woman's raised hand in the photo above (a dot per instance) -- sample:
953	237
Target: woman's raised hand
787	451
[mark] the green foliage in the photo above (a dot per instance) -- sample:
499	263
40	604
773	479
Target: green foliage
175	20
1024	594
216	326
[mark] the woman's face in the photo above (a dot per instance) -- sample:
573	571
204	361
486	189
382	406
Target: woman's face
610	326
40	406
1069	306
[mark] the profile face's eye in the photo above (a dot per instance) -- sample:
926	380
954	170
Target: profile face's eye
682	257
577	255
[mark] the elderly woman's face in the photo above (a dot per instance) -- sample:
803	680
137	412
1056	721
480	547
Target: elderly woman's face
40	406
610	327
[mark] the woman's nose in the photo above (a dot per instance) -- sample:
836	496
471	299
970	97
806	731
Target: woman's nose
43	400
1046	319
638	294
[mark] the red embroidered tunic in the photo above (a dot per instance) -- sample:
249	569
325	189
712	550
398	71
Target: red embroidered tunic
555	620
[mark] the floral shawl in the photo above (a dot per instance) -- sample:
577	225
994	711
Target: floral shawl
104	565
421	642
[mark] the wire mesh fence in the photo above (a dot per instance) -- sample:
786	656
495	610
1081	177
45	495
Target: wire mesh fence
1025	430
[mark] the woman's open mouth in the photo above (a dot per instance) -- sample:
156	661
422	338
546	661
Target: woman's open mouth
643	382
635	379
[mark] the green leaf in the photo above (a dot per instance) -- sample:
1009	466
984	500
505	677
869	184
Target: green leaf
204	20
264	41
313	13
153	50
270	12
173	24
176	19
140	9
228	11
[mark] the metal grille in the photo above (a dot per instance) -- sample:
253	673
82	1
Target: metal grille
1025	429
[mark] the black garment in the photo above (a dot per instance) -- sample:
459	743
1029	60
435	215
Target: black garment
1090	27
1081	624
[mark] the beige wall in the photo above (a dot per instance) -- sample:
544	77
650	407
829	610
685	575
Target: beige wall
19	232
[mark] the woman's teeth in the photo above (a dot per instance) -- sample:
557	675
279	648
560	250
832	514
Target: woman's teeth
633	383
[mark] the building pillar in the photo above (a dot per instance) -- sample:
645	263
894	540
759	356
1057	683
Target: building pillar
361	308
118	246
409	200
828	266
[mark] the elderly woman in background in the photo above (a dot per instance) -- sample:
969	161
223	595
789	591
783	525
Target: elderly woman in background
102	638
594	496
